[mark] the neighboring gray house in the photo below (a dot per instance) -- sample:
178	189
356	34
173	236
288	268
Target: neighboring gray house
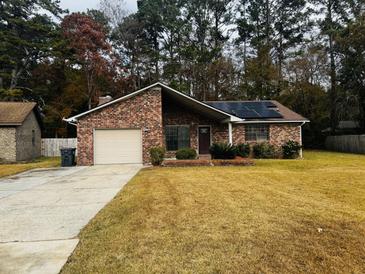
20	131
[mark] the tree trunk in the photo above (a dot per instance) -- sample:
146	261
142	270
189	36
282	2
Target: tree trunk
361	119
156	48
280	54
216	46
89	103
90	87
14	78
333	91
280	66
267	23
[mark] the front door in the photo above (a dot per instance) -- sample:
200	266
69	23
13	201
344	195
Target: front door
204	139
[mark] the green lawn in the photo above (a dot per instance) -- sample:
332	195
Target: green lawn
280	216
11	169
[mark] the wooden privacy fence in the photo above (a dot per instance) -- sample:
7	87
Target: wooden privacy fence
51	147
346	143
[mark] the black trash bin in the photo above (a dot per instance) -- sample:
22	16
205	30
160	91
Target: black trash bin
68	156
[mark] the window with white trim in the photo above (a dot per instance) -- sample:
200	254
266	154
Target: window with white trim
177	137
257	132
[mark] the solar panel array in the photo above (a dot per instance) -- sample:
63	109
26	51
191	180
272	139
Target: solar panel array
249	110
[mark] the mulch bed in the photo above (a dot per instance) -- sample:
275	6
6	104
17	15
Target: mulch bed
235	162
192	163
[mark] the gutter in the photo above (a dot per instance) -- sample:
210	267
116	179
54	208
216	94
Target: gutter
273	122
69	121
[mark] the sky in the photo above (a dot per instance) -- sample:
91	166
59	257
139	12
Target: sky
83	5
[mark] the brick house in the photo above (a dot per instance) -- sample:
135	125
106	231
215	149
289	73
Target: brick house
20	131
123	130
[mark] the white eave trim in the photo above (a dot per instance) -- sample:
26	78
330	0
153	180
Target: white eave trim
73	119
273	122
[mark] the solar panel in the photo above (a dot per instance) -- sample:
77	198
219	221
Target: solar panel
247	114
270	104
249	110
271	114
222	106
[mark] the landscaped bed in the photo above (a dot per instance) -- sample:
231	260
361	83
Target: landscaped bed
11	169
279	216
203	162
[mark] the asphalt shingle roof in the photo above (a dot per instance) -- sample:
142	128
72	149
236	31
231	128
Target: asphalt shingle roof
258	110
14	113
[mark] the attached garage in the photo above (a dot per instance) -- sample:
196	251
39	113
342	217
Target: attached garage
124	130
117	146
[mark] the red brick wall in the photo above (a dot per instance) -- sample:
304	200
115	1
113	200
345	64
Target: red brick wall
278	133
220	133
150	112
238	134
143	111
281	133
177	114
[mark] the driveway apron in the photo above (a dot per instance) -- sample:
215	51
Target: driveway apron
43	210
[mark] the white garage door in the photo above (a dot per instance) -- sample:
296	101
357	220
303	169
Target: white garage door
117	146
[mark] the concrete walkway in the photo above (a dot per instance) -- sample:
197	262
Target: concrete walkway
43	210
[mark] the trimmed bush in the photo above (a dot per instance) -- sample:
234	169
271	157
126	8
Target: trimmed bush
264	151
186	154
243	150
291	150
223	151
157	155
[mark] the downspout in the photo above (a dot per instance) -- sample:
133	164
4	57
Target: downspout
230	137
301	141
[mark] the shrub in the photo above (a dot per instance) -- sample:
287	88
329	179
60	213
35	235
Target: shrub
243	150
157	155
291	149
223	151
264	151
186	154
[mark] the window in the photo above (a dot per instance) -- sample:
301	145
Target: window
257	133
177	137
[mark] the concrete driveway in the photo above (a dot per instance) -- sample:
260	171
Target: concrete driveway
43	210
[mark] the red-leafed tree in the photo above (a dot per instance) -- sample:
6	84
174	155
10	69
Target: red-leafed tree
90	49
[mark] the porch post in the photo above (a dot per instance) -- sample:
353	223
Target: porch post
230	138
301	141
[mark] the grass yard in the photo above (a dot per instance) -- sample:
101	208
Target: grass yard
280	216
11	169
